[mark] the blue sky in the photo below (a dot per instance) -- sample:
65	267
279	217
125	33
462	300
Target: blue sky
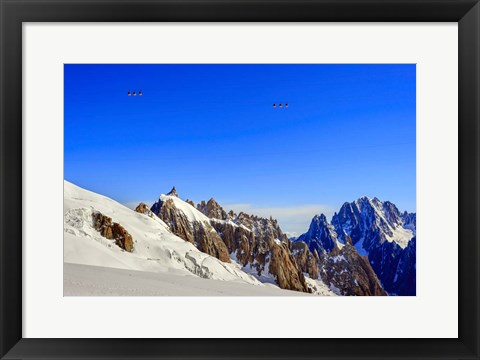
211	131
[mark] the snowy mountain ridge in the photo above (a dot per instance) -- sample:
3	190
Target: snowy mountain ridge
162	262
365	250
156	248
365	214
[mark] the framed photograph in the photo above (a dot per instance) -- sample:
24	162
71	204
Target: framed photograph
265	236
239	179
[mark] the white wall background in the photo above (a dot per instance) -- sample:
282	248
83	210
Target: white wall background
432	313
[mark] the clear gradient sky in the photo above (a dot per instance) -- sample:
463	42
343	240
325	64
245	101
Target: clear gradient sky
211	131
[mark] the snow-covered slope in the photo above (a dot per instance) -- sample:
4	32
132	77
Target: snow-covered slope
86	280
156	249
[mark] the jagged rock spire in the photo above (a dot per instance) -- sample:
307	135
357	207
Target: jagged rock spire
320	236
212	209
173	192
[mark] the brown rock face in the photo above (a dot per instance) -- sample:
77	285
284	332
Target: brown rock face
190	202
199	233
239	240
285	269
122	238
252	240
212	209
177	222
112	231
143	208
350	273
305	259
103	224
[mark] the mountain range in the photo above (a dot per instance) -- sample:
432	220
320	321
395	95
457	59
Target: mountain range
378	231
368	248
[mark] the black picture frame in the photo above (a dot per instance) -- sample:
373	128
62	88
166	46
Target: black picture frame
14	12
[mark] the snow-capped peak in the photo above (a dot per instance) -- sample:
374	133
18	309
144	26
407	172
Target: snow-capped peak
365	215
156	248
188	210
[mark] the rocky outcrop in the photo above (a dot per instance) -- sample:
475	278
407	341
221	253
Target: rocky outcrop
143	208
305	259
258	244
284	268
188	201
176	220
239	241
200	233
348	273
112	231
212	209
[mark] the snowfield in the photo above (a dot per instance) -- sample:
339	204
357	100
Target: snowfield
318	287
160	264
401	236
86	280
